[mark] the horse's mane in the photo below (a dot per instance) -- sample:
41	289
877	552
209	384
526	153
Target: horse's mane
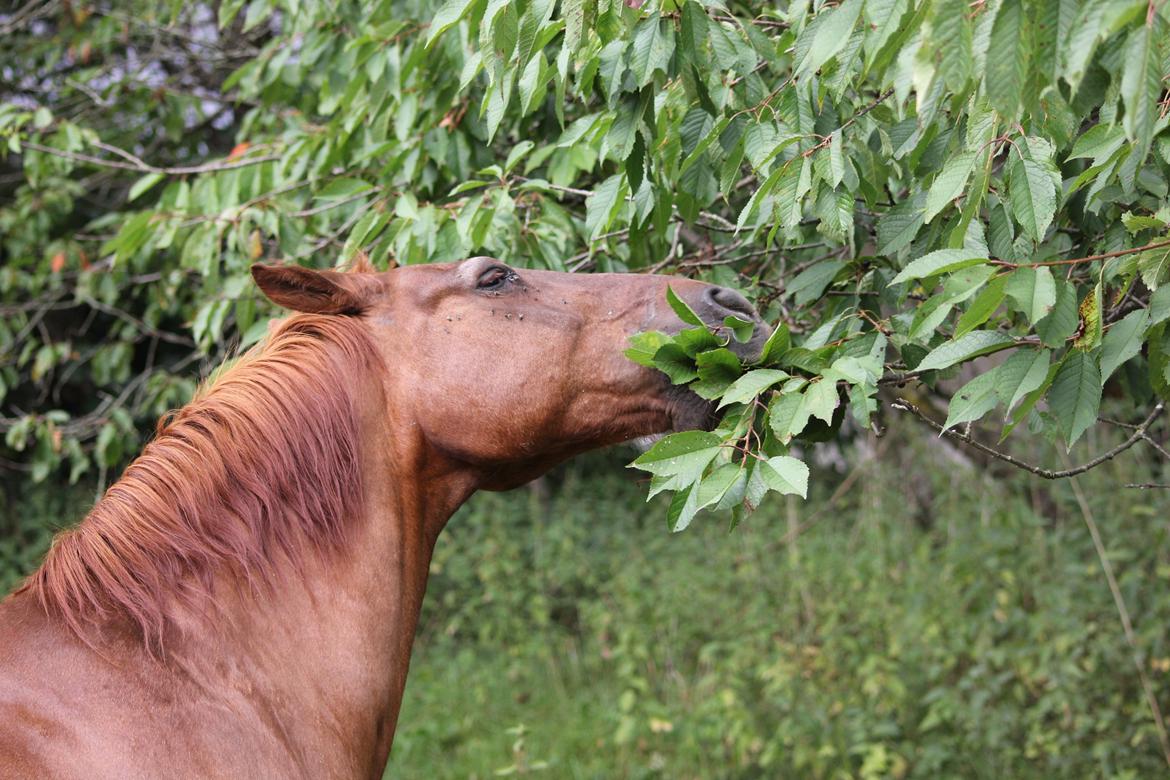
259	470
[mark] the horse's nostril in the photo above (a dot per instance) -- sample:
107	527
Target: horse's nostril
727	300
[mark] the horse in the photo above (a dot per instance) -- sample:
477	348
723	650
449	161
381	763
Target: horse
243	600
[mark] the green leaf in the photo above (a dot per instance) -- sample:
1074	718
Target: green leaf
602	205
343	188
751	385
683	508
810	284
949	183
1023	372
1160	305
447	17
686	453
973	400
1032	195
1141	83
780	341
651	49
143	185
717	368
1008	60
715	485
672	360
682	308
829	36
1123	341
972	345
1154	266
1033	290
898	227
644	346
982	307
787	415
938	262
743	330
821	400
1136	223
1075	396
1099	142
785	474
1061	322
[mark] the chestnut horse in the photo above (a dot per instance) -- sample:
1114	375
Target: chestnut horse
242	602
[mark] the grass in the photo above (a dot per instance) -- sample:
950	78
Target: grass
929	626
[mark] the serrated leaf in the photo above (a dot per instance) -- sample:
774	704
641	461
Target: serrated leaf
1075	396
673	360
1007	60
821	400
787	415
973	400
343	188
1023	372
949	183
777	344
643	347
972	345
1154	266
650	49
447	17
938	262
683	507
1099	142
1123	341
829	36
1061	322
685	453
785	474
717	368
1032	195
715	485
898	226
602	205
982	307
1033	290
751	385
682	308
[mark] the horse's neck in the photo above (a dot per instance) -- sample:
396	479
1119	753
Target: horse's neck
331	652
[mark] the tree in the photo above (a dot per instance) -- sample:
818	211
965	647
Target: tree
903	186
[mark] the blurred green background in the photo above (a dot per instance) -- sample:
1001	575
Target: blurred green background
938	618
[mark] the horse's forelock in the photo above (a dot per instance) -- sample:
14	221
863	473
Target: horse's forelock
261	469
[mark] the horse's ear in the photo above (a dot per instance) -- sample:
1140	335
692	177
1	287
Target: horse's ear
314	292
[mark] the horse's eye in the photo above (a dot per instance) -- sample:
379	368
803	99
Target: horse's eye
493	278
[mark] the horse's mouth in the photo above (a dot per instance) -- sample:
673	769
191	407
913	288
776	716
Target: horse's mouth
689	412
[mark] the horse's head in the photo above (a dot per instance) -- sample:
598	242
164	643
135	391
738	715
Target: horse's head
514	370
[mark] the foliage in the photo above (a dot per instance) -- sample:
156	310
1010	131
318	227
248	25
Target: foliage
903	185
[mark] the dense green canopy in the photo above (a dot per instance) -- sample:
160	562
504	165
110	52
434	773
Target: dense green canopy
903	186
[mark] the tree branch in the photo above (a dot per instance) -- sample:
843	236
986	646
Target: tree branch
1089	259
132	163
1138	434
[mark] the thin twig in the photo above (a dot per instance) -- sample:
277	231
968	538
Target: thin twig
1139	433
1089	259
142	167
